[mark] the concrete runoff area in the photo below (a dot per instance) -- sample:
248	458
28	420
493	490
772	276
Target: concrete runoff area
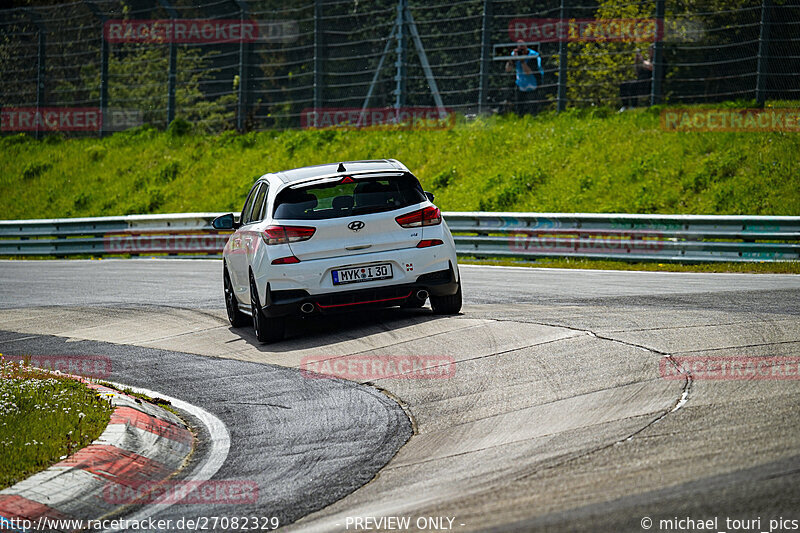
556	417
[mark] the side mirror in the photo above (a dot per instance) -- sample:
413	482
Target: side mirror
224	222
430	196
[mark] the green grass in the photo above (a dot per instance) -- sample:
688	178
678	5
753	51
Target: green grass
785	267
161	402
579	161
44	418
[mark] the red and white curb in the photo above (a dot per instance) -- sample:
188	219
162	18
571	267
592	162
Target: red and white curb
143	443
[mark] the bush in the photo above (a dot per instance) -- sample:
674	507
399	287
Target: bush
34	170
96	152
179	127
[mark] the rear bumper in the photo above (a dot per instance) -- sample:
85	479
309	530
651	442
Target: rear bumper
289	302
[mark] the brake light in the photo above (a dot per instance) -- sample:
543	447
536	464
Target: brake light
285	260
428	243
429	216
287	234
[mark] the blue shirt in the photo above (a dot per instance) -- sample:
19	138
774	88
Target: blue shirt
527	82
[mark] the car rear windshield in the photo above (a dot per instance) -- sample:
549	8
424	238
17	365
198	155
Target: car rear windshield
344	198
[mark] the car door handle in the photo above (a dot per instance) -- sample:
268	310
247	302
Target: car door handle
359	247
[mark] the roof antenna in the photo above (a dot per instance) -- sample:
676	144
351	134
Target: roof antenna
341	168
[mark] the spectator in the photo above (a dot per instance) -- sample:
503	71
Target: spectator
632	90
526	81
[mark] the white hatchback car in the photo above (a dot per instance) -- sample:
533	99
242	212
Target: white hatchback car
332	238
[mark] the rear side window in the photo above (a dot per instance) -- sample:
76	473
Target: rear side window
248	205
258	204
336	200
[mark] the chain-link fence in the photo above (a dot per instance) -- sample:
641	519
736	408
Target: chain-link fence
103	65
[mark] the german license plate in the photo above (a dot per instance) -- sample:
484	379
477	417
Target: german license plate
359	274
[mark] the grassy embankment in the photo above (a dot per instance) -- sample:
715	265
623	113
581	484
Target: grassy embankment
579	161
44	417
575	162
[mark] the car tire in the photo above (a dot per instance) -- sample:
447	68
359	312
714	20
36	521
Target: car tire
235	316
447	305
266	329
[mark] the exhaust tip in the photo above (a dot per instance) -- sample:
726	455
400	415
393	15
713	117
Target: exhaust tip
307	308
422	295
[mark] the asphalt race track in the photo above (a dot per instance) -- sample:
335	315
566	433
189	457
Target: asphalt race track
557	417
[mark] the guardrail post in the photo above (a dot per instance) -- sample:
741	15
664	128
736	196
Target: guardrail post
486	55
562	65
763	53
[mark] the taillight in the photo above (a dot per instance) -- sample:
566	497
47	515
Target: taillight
285	260
429	242
287	234
429	216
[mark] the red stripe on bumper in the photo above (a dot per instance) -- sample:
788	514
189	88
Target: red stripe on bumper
364	302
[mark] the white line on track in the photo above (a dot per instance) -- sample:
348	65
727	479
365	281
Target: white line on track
220	444
612	271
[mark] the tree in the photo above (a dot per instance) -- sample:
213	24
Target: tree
596	68
138	80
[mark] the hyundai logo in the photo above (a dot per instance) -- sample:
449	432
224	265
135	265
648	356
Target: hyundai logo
356	225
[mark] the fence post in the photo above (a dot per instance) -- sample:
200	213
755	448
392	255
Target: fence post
318	50
173	66
486	52
763	53
41	57
400	64
41	73
103	84
244	67
562	64
103	66
658	55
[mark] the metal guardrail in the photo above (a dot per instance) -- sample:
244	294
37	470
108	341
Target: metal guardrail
626	237
135	235
673	238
